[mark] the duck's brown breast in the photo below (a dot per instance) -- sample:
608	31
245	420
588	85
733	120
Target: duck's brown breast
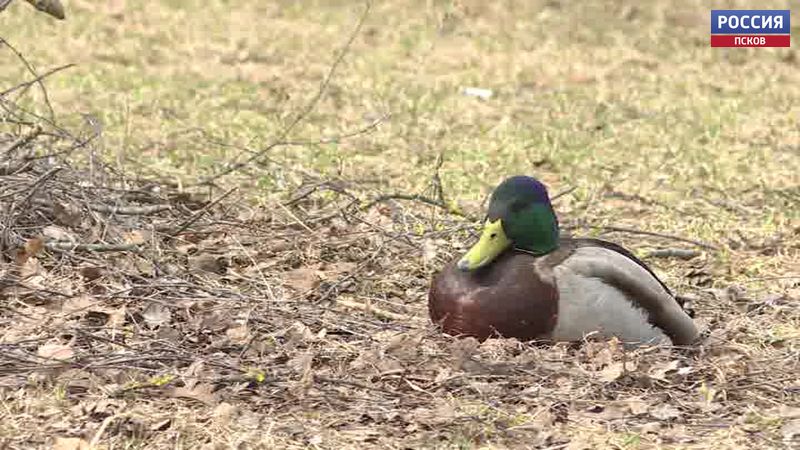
506	298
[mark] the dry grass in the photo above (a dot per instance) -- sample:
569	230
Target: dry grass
288	314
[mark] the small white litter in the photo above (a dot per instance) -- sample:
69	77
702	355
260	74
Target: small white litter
478	92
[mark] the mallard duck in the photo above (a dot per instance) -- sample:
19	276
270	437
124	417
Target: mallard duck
523	280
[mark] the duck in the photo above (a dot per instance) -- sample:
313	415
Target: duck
523	279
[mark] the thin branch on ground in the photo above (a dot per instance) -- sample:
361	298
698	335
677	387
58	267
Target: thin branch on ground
378	312
281	139
566	191
420	199
681	253
199	213
130	210
22	141
616	229
37	80
71	246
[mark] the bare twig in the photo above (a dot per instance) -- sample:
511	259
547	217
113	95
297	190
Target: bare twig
11	216
615	229
420	199
38	79
370	309
563	193
295	218
71	246
281	139
196	216
130	210
99	433
22	141
10	168
681	253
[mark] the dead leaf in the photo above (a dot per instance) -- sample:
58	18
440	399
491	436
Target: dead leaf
70	443
365	359
78	304
660	372
464	348
56	351
302	279
209	263
615	370
156	314
429	251
791	431
403	345
102	408
143	266
191	374
545	419
650	427
302	364
167	333
136	237
67	214
202	392
335	269
444	374
75	381
216	322
389	365
224	412
605	412
441	414
637	406
732	293
33	246
579	443
297	334
665	412
57	233
789	412
29	267
116	318
238	334
602	353
20	258
91	273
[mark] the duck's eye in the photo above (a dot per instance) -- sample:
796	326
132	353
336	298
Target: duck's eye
493	235
518	206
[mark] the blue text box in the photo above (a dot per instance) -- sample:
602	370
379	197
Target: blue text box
750	21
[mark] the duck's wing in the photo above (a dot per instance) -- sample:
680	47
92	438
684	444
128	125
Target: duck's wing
52	7
592	242
593	265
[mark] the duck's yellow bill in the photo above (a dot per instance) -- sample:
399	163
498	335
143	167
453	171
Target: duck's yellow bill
492	242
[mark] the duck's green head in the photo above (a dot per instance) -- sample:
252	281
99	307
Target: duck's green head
520	215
